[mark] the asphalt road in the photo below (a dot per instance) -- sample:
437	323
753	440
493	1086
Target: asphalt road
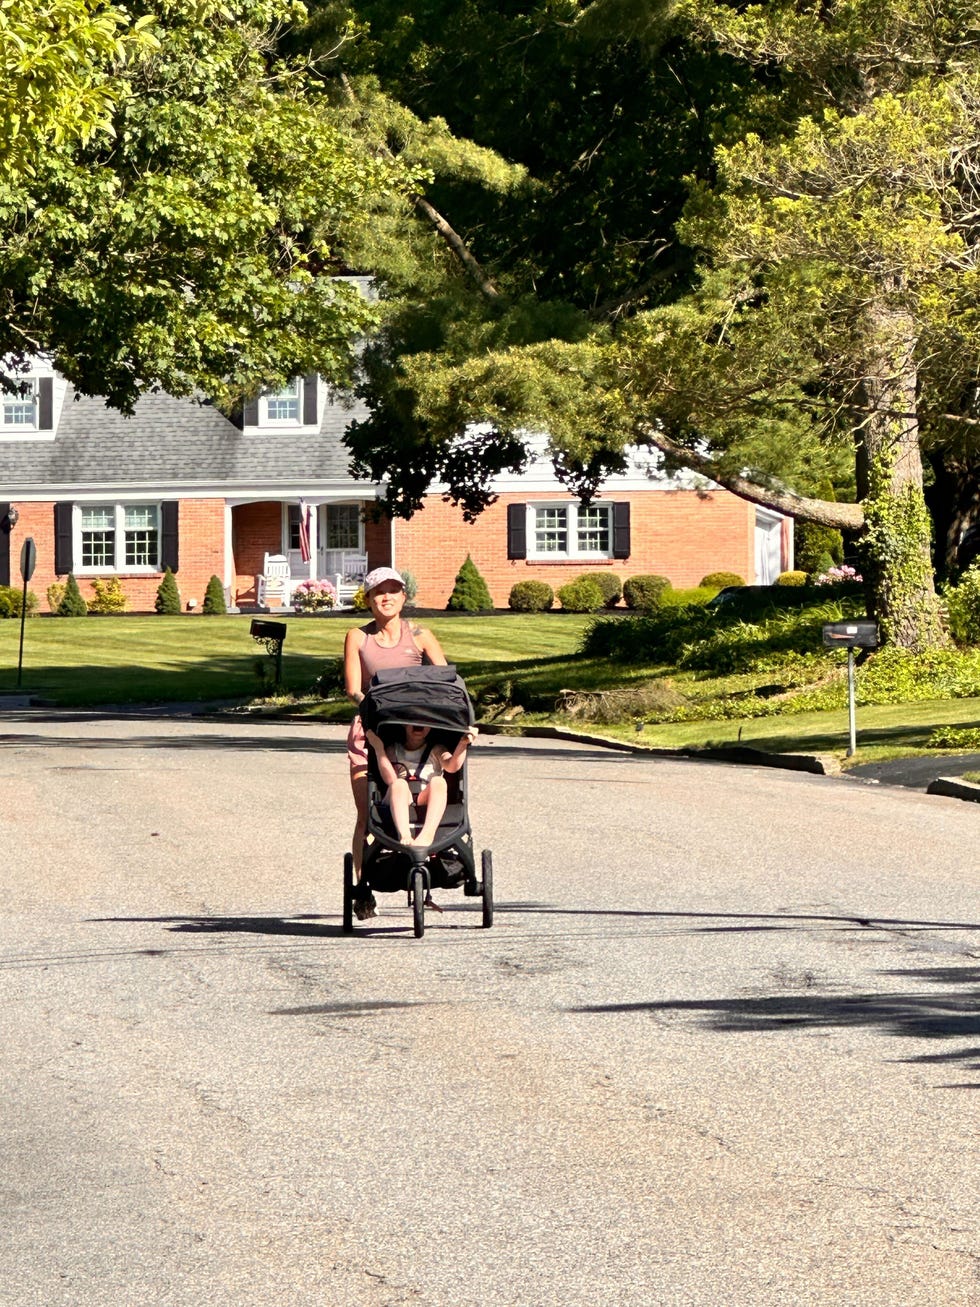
720	1049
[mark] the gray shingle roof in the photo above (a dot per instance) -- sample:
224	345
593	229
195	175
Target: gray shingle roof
172	441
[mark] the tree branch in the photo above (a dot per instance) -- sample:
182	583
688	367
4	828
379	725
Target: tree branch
844	517
435	219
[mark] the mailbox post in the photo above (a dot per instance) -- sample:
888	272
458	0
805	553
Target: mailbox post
851	636
272	635
28	561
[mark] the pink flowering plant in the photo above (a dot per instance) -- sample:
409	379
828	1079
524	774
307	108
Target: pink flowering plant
834	575
314	596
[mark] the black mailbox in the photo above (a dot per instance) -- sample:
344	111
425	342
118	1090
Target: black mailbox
262	630
851	635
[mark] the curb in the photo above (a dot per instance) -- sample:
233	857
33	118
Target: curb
741	753
951	787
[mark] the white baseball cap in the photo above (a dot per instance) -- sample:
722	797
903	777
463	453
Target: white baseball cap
378	575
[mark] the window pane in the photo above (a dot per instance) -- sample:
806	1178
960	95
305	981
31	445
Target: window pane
593	530
343	526
101	517
142	535
18	412
283	406
551	530
99	536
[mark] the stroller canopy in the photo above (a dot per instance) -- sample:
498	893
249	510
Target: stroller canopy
425	696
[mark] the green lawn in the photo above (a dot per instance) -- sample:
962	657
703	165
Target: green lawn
105	660
99	660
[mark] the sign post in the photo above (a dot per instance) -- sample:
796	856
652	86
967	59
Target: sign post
851	636
28	561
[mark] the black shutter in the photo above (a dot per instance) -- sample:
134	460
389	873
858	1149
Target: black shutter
45	403
169	536
62	539
621	530
250	414
309	400
517	531
4	547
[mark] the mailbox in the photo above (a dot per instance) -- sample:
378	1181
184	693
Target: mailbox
851	635
262	630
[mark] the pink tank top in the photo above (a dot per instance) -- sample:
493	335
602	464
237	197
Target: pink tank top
374	656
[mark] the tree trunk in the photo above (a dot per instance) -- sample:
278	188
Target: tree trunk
896	541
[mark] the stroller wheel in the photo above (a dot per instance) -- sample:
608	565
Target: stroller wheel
418	902
348	926
487	888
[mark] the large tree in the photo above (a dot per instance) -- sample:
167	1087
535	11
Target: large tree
183	229
832	318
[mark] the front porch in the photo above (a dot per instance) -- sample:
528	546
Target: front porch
275	545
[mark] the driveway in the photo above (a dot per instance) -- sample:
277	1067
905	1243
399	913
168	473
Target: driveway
721	1046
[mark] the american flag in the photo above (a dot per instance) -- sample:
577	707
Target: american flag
304	532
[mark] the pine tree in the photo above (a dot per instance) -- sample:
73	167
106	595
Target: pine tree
470	593
72	604
168	596
214	599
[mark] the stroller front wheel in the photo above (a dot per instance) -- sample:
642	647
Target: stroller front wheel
418	902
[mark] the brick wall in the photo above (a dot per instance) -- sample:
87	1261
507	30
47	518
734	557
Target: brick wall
256	530
680	534
201	555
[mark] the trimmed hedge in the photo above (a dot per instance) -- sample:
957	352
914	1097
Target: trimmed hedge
609	583
531	597
581	596
644	591
722	580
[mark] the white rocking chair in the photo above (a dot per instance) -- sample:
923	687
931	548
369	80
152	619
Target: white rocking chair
273	585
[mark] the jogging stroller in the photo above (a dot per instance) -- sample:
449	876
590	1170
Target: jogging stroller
427	696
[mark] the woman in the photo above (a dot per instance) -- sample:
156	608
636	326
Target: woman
387	641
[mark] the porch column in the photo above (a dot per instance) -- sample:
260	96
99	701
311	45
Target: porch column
314	520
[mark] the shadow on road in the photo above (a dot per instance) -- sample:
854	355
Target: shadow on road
932	1015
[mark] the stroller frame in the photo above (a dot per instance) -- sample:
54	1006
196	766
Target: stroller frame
434	697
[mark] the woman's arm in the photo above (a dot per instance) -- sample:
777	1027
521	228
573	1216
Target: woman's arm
352	664
427	643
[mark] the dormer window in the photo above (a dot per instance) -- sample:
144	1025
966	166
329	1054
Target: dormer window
296	405
20	407
282	405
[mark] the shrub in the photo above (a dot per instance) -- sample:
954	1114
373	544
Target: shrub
581	596
72	604
314	596
168	596
55	593
963	605
644	591
109	597
214	599
822	565
531	597
470	593
12	601
610	585
359	601
411	588
814	543
721	580
681	598
791	578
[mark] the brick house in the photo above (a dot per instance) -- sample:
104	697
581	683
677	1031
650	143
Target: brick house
180	484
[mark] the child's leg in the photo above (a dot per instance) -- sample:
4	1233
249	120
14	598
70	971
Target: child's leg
399	799
433	799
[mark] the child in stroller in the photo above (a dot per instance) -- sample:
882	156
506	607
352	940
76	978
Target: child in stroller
420	721
414	770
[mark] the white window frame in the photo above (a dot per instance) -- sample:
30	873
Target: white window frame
357	510
119	566
572	549
10	401
293	392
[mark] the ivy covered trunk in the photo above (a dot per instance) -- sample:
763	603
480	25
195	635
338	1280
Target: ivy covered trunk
896	539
